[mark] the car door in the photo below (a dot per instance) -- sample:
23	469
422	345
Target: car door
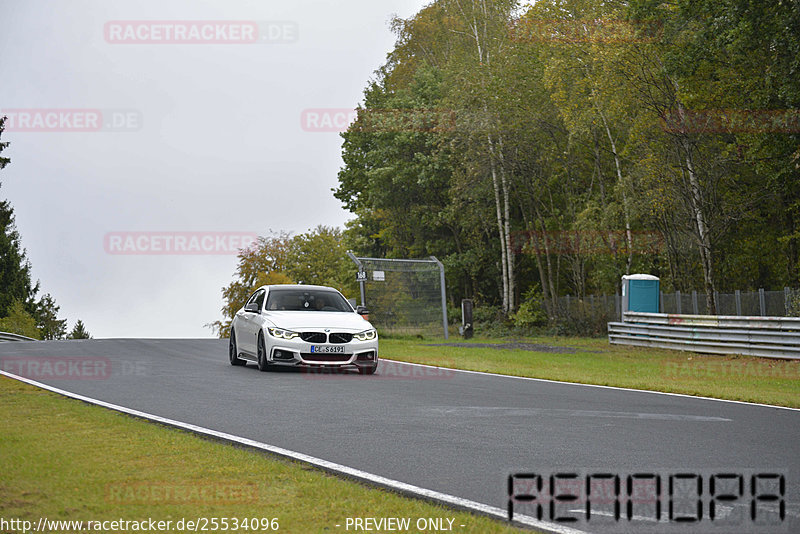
249	323
239	326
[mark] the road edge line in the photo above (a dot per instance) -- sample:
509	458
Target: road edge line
620	388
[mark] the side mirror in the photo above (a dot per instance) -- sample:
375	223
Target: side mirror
363	312
252	307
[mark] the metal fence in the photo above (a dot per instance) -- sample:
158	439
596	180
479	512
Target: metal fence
741	303
404	296
6	336
771	337
600	308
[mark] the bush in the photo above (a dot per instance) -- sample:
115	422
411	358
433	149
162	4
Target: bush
582	322
19	322
579	319
531	312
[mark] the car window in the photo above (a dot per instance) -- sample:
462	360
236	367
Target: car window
257	297
260	298
306	300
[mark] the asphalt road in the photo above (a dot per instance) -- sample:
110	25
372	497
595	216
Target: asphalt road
453	432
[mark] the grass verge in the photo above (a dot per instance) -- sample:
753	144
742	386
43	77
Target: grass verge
595	361
66	460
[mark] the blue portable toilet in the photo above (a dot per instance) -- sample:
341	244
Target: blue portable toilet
640	293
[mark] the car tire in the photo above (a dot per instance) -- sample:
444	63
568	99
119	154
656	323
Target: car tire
263	364
233	351
368	370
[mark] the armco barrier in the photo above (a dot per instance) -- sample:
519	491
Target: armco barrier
770	337
5	336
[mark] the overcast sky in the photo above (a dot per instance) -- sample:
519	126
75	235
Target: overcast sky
116	140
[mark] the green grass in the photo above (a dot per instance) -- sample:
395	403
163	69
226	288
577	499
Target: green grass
742	378
63	459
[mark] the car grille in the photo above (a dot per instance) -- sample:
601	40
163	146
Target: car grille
341	337
314	337
326	357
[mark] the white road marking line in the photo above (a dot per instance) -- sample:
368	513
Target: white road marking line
594	385
511	411
402	487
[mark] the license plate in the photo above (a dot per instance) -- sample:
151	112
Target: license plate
327	349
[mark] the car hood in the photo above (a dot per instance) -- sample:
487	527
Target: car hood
304	320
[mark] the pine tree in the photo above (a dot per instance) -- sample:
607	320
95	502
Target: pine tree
15	273
79	331
46	315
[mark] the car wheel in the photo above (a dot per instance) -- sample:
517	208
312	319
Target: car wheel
233	351
263	364
368	370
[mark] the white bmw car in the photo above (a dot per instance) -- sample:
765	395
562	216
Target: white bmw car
299	325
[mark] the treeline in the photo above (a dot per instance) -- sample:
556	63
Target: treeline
549	149
22	310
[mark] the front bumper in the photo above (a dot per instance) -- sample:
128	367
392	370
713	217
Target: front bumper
296	352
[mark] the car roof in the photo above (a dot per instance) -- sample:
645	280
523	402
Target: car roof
297	286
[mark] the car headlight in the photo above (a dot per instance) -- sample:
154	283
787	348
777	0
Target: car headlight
282	334
366	335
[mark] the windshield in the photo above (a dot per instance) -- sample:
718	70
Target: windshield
306	300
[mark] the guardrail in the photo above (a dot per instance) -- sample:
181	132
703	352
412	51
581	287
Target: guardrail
5	336
770	337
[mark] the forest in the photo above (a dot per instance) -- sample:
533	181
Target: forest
548	149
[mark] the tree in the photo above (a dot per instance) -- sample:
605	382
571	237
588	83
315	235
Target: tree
575	143
79	331
316	257
319	257
15	270
19	321
3	145
743	57
484	28
396	173
46	315
590	95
